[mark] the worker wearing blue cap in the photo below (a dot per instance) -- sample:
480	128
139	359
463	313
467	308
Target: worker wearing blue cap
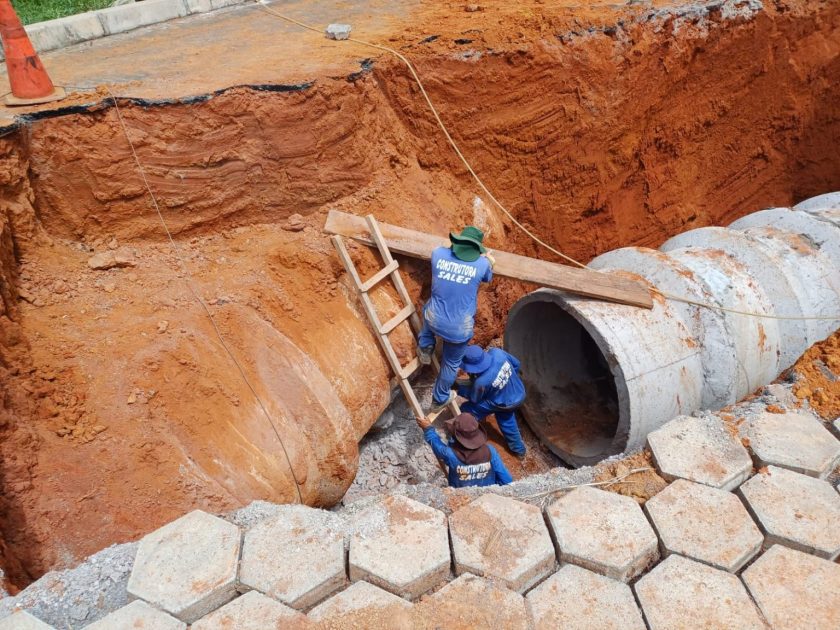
457	272
494	388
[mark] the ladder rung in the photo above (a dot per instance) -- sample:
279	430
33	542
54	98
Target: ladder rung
397	319
410	368
379	276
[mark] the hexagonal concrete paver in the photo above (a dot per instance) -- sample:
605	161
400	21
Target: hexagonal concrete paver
700	450
187	567
603	532
137	614
472	602
359	596
705	524
400	545
795	510
495	536
682	593
797	441
295	556
22	620
577	599
795	590
252	611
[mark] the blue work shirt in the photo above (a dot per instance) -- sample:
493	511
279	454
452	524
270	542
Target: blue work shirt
462	475
450	312
499	385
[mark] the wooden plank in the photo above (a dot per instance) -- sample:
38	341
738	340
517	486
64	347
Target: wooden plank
610	287
379	276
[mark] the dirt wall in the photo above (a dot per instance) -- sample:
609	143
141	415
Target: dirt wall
124	411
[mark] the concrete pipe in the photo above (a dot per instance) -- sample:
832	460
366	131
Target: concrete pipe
826	207
768	269
601	376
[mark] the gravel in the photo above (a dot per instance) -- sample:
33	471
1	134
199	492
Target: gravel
77	597
394	452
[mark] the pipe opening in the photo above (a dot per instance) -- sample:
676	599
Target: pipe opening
572	402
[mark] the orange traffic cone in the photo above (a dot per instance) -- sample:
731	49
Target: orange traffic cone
29	81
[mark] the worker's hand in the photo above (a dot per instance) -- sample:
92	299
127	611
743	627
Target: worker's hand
489	256
424	423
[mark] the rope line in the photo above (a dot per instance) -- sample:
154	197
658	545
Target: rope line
188	279
498	203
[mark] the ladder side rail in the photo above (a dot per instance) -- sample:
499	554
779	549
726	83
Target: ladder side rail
384	342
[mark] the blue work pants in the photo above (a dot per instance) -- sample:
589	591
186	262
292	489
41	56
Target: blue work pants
450	363
505	418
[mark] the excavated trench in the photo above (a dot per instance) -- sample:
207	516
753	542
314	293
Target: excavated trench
120	408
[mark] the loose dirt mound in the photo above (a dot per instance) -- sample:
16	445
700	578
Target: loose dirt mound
817	376
598	129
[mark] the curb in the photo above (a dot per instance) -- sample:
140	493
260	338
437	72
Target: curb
83	27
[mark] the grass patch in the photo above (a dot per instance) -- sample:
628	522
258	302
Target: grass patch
31	11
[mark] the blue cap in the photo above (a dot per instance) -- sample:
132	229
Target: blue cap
475	360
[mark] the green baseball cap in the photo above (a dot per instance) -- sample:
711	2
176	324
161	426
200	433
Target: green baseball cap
467	245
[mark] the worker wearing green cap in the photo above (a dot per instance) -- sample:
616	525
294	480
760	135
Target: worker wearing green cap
457	272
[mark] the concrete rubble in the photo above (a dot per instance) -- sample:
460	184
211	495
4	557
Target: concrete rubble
82	595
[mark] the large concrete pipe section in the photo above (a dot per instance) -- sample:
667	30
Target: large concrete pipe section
601	376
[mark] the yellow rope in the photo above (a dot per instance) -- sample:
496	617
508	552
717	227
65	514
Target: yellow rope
189	282
498	203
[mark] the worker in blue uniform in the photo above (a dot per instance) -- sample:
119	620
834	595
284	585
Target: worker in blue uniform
469	459
457	272
494	387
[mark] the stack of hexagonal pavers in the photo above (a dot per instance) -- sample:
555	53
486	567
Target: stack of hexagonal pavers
590	559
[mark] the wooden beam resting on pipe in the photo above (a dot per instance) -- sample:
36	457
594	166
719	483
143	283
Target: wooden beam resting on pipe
600	285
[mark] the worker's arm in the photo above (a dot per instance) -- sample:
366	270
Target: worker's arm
503	477
514	362
441	450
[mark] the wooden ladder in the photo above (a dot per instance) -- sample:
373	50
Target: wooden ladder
390	270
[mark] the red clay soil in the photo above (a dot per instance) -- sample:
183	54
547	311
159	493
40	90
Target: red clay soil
640	485
818	377
120	409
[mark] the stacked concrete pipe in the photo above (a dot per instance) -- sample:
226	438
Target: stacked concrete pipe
602	376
